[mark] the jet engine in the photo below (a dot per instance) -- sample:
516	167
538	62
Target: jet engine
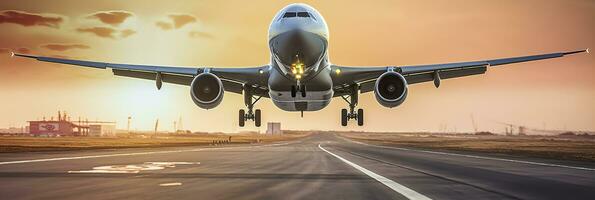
390	89
206	90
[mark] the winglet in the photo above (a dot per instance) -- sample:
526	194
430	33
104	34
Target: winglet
573	52
23	55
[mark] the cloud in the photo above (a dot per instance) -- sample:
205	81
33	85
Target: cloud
64	47
127	32
24	50
181	20
30	19
164	25
178	21
113	18
199	34
104	32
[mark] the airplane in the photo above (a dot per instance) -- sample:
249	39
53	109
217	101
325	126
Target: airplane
300	76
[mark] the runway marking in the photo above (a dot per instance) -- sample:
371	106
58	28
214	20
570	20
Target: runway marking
131	168
170	184
96	156
133	154
477	157
401	189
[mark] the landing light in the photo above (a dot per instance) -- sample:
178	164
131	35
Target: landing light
337	71
11	54
297	68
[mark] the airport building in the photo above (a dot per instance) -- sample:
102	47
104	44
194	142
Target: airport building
64	127
53	128
102	130
274	128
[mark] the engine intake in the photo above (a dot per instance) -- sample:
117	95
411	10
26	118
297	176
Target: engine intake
390	89
206	90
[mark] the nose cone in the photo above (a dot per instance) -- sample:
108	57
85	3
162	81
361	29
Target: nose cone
297	45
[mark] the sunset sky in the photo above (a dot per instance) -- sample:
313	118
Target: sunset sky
555	94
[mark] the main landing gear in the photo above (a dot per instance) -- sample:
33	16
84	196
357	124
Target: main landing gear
300	88
352	99
250	100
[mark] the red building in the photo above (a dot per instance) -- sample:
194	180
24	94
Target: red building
56	128
60	127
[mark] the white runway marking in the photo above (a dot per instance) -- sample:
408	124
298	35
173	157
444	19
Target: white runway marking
96	156
132	168
401	189
170	184
477	157
133	154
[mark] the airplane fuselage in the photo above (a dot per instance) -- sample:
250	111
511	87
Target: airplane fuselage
300	75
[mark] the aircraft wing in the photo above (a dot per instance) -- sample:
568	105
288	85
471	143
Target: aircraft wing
344	77
234	79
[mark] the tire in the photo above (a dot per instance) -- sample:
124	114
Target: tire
343	117
360	117
293	91
242	116
303	90
257	115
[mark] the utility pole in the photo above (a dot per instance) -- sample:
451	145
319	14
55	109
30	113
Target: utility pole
128	127
156	126
175	127
180	124
473	123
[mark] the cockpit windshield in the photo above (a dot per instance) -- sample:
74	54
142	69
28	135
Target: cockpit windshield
296	14
303	14
289	14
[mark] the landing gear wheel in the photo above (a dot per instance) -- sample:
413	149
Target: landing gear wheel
352	99
242	117
360	117
293	91
257	117
303	90
343	117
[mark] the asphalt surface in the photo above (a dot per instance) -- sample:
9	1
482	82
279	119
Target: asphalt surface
322	166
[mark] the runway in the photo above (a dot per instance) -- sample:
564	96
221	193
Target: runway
321	166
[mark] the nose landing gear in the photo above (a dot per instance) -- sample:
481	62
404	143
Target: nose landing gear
300	88
352	100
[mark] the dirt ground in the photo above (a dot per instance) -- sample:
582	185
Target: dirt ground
30	144
579	148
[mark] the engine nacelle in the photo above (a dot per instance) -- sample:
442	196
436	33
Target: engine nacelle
206	90
390	89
